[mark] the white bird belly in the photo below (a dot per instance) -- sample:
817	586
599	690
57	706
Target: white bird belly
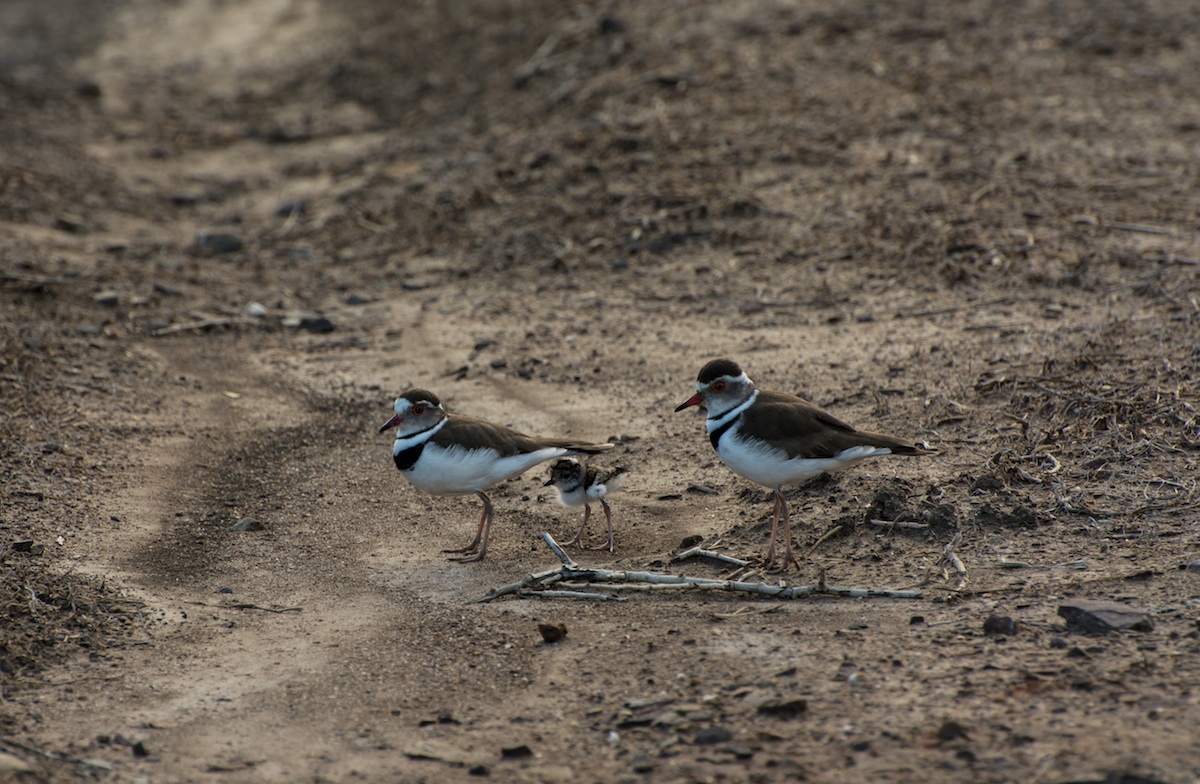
458	471
759	462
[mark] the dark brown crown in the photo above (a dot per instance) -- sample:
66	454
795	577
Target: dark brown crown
419	395
717	368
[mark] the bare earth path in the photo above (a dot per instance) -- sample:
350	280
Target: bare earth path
231	233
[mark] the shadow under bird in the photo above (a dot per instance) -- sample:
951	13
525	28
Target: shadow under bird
774	439
579	484
446	454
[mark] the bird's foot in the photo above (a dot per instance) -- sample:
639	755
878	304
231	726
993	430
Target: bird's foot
471	552
471	555
769	565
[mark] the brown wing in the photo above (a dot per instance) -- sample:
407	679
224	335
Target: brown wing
471	433
804	430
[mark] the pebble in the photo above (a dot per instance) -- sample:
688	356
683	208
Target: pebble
317	324
249	524
711	736
999	625
290	208
1094	617
784	708
217	243
516	752
256	310
109	299
552	632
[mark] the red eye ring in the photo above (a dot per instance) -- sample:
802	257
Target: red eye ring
718	386
418	409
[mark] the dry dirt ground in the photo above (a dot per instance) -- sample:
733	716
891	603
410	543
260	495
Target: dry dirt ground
231	233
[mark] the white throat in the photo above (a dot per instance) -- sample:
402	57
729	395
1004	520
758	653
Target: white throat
718	421
420	437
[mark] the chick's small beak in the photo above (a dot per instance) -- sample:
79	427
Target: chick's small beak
391	423
694	400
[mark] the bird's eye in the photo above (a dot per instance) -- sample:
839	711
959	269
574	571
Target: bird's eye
418	409
718	386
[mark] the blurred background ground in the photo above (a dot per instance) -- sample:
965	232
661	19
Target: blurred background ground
231	233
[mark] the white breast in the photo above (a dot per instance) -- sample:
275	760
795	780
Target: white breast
758	461
457	471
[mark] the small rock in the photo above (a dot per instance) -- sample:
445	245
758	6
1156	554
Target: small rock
1000	625
249	524
256	310
1191	566
516	752
689	542
89	328
951	730
498	364
479	770
108	299
1092	617
28	546
290	208
916	620
70	224
357	299
316	324
701	490
784	708
710	736
167	290
552	632
216	243
87	89
139	749
670	496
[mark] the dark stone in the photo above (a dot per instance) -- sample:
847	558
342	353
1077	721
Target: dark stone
249	524
784	708
516	752
316	324
710	736
216	243
999	624
951	730
290	208
552	632
1093	617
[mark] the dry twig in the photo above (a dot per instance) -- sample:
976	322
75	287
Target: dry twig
534	584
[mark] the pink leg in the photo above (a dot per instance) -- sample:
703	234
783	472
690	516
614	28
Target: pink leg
578	540
478	546
769	559
788	557
608	519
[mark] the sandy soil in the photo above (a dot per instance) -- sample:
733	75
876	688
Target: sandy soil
233	232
